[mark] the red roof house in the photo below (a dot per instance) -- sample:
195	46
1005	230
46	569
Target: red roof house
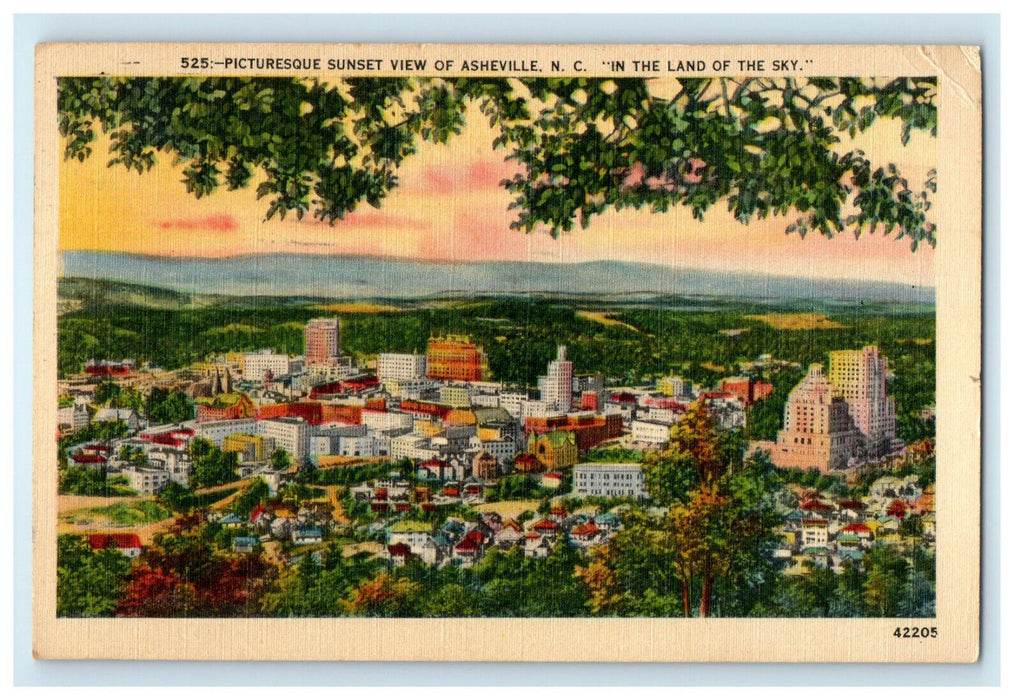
545	526
128	544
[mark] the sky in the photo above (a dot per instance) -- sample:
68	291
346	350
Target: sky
450	206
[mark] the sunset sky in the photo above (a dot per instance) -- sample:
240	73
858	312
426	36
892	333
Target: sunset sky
449	206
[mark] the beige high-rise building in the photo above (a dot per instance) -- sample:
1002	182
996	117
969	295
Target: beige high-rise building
819	432
556	386
859	378
322	341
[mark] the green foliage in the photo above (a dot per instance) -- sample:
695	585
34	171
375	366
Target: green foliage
253	494
669	477
181	499
808	478
765	418
213	466
131	513
766	146
164	406
114	395
357	474
280	460
316	589
107	392
717	536
91	482
503	584
175	496
357	511
635	573
518	487
294	494
888	583
88	583
614	455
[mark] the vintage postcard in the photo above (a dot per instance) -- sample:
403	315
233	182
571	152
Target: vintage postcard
507	352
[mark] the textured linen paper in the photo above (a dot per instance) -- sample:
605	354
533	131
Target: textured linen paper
507	352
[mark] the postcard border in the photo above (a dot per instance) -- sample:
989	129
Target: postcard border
960	253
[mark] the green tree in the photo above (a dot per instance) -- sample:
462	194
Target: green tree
165	406
254	493
176	497
887	574
213	466
280	459
721	516
766	146
670	475
107	392
636	570
88	583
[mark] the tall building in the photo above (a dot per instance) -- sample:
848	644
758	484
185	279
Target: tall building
455	359
322	341
555	388
818	431
859	378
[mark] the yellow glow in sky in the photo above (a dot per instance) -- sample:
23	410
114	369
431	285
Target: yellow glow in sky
450	206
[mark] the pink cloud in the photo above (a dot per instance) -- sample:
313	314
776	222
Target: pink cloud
481	174
213	222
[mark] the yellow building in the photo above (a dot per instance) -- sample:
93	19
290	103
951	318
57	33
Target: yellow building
859	378
456	358
489	434
426	427
253	448
236	360
459	417
456	396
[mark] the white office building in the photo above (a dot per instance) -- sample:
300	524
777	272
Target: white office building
146	479
217	431
258	364
400	366
650	432
387	420
609	480
289	434
556	386
511	401
504	449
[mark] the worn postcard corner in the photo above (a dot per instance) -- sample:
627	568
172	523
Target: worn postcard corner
428	352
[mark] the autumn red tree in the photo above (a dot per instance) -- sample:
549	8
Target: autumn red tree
154	592
383	596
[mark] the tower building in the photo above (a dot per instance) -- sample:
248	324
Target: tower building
556	386
859	378
819	432
322	341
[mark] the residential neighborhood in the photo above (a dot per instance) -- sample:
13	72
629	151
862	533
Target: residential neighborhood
425	460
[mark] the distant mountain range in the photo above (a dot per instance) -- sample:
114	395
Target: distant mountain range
352	277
